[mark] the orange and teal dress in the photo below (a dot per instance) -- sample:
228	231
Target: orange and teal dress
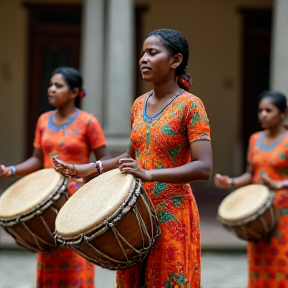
160	142
72	142
268	258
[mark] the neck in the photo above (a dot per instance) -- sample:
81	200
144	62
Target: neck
66	110
166	90
275	131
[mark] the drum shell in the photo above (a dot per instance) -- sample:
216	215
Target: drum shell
35	230
255	227
101	246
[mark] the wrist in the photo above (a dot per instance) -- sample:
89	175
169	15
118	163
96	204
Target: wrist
99	167
232	183
12	170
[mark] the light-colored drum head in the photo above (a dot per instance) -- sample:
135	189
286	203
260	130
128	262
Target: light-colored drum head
93	202
28	192
243	202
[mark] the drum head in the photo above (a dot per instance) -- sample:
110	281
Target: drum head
93	202
28	192
243	202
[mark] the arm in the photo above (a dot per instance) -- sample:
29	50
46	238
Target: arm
199	168
34	163
224	181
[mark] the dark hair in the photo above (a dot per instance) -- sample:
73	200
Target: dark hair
278	99
72	78
175	43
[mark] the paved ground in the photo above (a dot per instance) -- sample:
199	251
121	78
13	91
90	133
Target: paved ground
219	270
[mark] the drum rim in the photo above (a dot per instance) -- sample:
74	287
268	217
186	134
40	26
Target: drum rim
253	217
243	218
135	190
60	189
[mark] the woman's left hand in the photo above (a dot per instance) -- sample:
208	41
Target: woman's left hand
130	166
275	185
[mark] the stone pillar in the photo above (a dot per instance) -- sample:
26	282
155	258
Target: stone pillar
92	57
279	59
119	76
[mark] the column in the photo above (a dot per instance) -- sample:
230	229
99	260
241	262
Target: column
119	79
279	59
92	56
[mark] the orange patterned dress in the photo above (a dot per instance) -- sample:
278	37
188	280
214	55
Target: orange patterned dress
268	258
72	142
163	141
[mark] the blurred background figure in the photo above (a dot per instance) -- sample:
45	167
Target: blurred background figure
70	134
267	163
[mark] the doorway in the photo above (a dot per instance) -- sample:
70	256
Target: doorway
256	39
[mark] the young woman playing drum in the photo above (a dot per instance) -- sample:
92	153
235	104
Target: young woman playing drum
71	135
268	162
170	147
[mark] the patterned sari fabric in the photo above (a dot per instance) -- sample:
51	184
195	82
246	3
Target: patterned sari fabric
72	142
163	141
268	258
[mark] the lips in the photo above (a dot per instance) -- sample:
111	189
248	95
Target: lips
145	69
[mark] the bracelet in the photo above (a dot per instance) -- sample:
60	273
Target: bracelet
12	170
98	165
232	183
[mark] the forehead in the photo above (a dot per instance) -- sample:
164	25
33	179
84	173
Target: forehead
58	78
153	42
268	102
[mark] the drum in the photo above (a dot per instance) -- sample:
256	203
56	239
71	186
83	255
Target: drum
248	212
28	209
110	221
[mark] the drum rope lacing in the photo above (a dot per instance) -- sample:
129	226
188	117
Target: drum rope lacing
60	190
110	224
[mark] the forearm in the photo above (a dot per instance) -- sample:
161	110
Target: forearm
193	171
242	180
30	165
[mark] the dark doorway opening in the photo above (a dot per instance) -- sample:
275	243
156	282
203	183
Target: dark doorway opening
54	41
256	67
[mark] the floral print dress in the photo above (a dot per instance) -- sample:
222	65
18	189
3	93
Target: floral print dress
163	141
268	258
72	142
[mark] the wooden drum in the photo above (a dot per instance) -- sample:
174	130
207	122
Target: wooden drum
110	221
248	212
28	209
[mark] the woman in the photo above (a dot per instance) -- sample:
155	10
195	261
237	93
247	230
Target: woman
71	135
267	164
170	147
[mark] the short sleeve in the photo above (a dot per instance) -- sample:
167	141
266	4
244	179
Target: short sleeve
197	122
95	134
250	151
38	132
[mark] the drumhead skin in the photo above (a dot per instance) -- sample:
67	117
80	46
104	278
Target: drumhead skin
93	202
243	202
28	192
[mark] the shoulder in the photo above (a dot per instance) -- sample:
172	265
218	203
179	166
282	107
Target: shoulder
86	116
141	99
45	116
255	136
191	100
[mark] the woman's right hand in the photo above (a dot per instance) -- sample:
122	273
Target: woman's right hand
73	170
222	181
5	172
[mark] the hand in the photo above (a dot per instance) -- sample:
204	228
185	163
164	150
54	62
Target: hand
275	185
5	172
73	170
222	181
130	166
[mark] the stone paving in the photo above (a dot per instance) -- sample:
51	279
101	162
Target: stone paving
219	270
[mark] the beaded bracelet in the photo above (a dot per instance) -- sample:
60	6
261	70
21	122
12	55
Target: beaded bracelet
12	170
98	165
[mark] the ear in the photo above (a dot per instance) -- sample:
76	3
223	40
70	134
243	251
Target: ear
75	92
177	60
